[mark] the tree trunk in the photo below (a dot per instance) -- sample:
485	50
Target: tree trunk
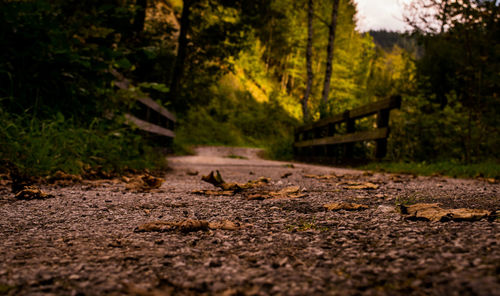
329	58
178	71
307	92
140	15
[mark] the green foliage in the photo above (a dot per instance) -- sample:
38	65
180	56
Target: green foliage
450	133
41	147
486	169
233	117
55	55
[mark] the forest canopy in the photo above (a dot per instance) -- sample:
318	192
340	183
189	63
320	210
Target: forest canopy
241	73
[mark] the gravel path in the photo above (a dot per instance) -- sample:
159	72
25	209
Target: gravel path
82	241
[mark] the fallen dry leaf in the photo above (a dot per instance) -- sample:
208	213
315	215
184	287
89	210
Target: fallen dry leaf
432	212
286	175
215	179
336	206
151	181
366	185
258	196
192	173
214	192
256	183
321	177
143	183
224	225
188	225
492	180
31	192
62	178
288	192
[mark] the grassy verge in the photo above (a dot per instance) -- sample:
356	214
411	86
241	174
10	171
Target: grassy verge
487	169
41	147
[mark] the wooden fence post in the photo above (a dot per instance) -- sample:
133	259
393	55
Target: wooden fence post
381	144
349	147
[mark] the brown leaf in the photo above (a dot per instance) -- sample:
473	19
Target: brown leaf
216	180
214	192
63	178
187	225
143	183
255	183
321	177
31	192
492	181
231	186
286	175
152	182
288	192
432	212
336	206
366	185
192	173
224	225
258	196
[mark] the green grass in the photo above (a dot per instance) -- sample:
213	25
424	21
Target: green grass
305	226
486	169
41	147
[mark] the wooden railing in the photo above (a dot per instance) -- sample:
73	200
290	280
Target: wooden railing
150	116
324	133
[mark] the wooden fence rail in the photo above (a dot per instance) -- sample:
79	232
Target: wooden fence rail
150	117
323	133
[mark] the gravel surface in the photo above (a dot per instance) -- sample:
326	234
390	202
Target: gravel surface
82	241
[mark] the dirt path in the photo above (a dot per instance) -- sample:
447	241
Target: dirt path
82	241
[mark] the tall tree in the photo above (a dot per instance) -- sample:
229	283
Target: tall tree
178	71
310	75
140	15
329	58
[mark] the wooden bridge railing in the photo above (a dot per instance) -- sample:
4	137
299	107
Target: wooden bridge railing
323	133
150	117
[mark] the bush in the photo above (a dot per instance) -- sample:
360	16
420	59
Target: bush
41	147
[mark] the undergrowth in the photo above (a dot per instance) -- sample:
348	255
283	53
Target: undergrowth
485	169
234	118
41	147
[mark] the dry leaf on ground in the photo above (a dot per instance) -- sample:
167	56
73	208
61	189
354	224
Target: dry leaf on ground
432	212
185	226
191	173
321	177
367	185
215	179
31	192
214	192
143	183
224	225
336	206
286	175
62	178
288	192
